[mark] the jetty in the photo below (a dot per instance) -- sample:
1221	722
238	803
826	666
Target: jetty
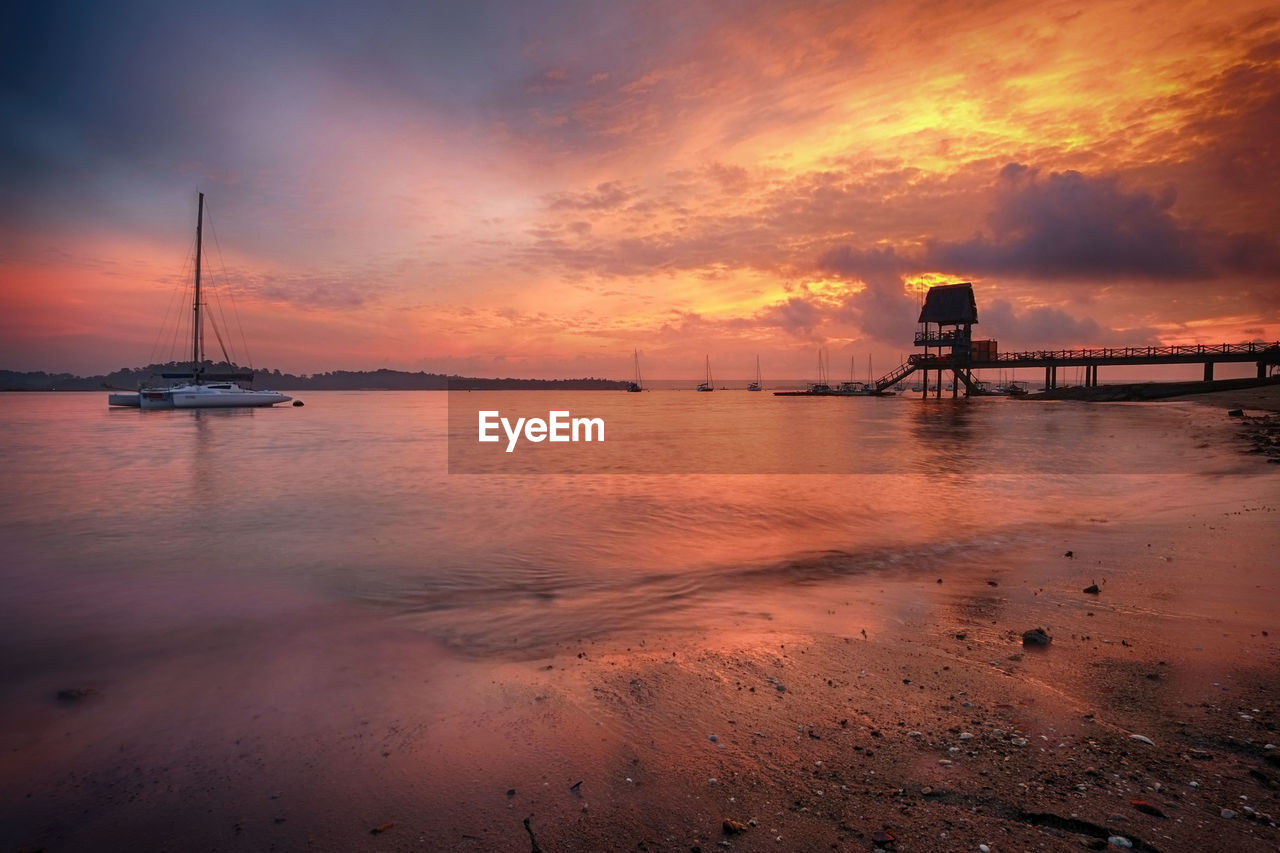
950	311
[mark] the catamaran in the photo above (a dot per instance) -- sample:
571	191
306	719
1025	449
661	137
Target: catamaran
202	390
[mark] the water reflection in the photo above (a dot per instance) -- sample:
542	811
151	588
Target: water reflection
943	437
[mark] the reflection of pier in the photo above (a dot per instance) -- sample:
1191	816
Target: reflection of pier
952	312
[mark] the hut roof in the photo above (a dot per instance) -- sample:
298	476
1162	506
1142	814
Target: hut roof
950	304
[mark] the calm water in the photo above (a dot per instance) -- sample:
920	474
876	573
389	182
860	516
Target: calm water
120	529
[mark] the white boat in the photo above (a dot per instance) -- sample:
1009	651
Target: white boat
198	392
707	386
755	386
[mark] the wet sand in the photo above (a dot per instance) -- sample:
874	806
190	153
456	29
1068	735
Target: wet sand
1266	398
899	712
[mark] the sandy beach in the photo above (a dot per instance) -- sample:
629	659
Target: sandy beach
896	711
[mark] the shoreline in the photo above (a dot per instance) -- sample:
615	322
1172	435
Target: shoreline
876	704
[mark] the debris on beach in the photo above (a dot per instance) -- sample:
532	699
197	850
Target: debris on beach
533	842
378	830
1092	589
73	695
733	827
1142	739
1036	637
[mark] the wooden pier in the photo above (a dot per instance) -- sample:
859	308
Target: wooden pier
950	311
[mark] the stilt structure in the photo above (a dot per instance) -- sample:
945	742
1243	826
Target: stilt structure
947	319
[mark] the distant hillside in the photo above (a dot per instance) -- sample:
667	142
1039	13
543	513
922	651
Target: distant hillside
338	380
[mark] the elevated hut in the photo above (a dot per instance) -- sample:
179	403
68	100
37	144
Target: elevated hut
947	318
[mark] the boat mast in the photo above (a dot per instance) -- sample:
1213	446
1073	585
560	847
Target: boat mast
197	333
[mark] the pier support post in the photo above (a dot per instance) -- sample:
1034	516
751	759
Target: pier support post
1262	370
1208	371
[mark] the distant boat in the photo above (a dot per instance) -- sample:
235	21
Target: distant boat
853	388
635	384
817	389
199	392
755	386
707	386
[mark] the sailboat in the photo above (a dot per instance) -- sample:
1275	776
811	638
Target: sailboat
202	391
635	385
755	386
707	386
853	388
817	389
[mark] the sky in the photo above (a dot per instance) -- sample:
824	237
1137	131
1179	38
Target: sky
536	188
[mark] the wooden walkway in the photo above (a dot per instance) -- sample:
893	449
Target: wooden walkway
1263	354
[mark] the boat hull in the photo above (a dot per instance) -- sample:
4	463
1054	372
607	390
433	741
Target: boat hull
131	399
228	396
155	399
226	399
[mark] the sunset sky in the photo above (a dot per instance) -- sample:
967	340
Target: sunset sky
534	188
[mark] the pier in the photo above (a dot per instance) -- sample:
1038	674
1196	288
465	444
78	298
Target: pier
946	334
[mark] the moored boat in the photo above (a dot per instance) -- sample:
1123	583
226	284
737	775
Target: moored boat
198	392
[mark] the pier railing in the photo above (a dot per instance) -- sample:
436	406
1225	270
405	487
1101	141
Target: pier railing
1252	348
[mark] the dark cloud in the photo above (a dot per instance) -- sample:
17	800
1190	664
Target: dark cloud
1047	327
1067	225
797	315
882	308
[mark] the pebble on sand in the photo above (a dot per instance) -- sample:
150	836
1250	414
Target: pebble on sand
1036	637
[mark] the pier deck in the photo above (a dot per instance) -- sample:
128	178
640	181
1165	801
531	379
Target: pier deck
1263	354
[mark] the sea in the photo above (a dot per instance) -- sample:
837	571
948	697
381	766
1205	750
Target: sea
125	529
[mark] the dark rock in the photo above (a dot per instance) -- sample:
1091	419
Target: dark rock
733	827
1092	589
1036	637
74	695
1236	413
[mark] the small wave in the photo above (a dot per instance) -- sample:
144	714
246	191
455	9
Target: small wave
525	615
